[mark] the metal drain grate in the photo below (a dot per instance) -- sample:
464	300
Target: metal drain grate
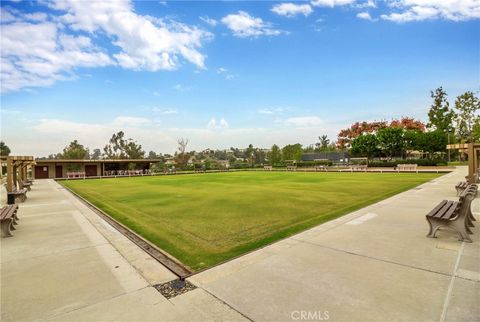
174	288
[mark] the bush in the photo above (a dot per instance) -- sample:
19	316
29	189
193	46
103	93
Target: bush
420	162
240	165
311	164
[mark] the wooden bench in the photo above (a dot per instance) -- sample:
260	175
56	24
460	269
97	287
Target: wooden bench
291	168
267	168
19	194
8	218
76	174
27	185
321	168
358	167
461	186
454	214
407	167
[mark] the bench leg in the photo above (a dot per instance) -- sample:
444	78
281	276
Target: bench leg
433	227
5	226
462	230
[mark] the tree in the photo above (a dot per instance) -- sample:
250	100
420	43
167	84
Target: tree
4	149
182	157
432	142
476	130
346	136
408	123
440	116
250	154
365	145
75	151
467	106
292	152
322	143
391	141
152	155
121	148
275	155
96	154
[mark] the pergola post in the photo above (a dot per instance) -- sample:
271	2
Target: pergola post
472	163
10	181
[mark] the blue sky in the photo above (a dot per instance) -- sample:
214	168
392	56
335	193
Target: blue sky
225	73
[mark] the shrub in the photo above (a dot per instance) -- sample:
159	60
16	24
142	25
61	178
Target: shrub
420	162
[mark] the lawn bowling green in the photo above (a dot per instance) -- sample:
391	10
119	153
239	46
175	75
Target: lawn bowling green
205	219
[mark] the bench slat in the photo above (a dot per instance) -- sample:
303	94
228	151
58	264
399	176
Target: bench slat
437	208
452	210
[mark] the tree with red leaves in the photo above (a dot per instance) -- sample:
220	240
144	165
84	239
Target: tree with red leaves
346	136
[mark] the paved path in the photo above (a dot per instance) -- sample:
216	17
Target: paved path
373	264
66	264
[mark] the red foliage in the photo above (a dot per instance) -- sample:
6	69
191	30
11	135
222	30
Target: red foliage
347	135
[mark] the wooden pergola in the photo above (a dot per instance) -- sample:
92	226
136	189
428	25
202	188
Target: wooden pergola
472	150
17	170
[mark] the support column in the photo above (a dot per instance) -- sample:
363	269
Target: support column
471	163
10	182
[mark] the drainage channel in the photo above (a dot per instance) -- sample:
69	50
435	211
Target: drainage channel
173	266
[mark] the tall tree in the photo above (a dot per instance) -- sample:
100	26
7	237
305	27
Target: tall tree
96	154
467	107
366	145
250	154
346	136
121	148
431	142
292	152
440	115
322	144
75	150
4	149
152	155
391	141
275	155
182	156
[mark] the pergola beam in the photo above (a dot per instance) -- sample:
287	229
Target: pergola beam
472	150
15	163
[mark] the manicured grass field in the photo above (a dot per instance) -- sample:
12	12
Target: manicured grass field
205	219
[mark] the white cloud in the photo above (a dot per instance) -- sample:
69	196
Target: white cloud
228	75
243	25
291	9
271	111
38	54
146	43
165	111
59	132
331	3
130	121
38	50
417	10
364	15
181	88
209	21
213	124
304	121
366	4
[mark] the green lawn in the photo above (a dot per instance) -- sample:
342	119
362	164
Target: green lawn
205	219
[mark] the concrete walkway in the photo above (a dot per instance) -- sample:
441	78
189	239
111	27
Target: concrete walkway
64	263
372	265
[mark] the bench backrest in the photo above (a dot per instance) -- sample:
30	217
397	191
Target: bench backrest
465	201
8	211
